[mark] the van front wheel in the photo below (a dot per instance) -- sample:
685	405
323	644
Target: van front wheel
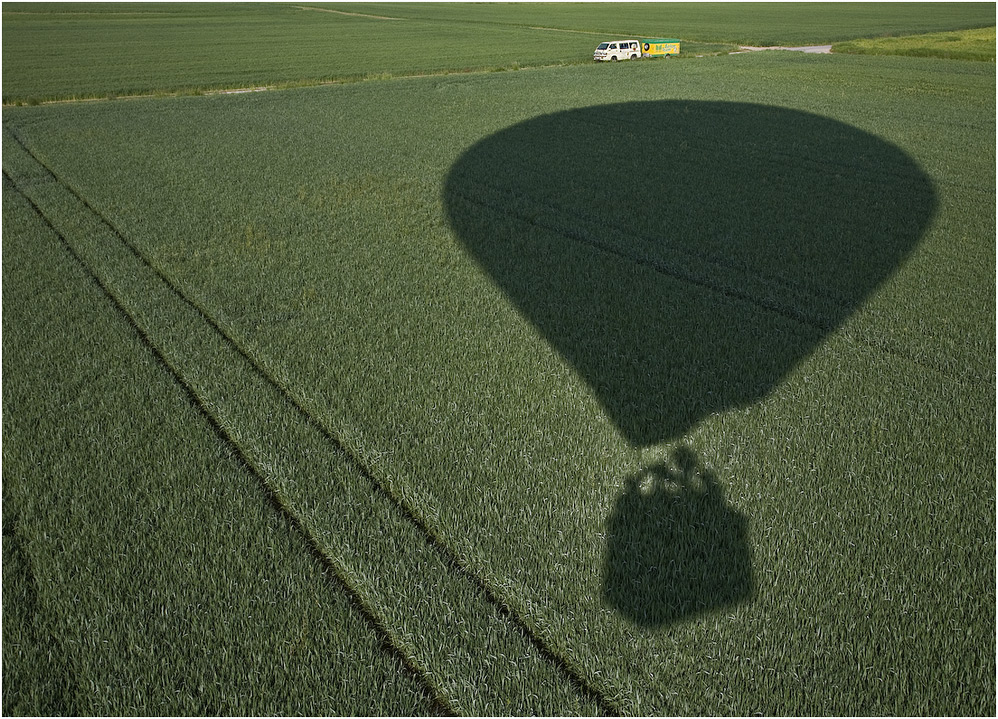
613	58
634	57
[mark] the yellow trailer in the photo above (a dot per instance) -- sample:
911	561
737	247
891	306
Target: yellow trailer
659	48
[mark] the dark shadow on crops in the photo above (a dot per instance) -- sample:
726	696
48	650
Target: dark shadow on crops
674	548
684	257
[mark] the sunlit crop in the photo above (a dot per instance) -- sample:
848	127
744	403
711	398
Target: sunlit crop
658	388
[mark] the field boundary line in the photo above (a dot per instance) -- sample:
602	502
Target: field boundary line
430	535
60	14
271	494
165	94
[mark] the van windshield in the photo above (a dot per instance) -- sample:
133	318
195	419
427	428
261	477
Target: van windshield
603	46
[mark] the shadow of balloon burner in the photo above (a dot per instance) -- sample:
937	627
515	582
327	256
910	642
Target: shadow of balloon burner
683	257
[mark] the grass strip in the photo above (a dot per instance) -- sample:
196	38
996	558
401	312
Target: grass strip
470	647
975	44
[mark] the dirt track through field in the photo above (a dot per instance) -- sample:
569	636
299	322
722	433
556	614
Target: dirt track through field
474	625
810	49
343	12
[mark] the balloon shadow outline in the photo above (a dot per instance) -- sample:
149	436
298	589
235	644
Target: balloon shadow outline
684	257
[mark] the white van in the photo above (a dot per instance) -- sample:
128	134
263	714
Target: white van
617	50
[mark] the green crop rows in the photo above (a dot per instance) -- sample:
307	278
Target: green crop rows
50	50
651	388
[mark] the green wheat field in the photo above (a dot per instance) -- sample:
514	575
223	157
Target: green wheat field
397	359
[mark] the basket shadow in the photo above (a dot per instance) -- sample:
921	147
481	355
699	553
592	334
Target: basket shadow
674	548
683	257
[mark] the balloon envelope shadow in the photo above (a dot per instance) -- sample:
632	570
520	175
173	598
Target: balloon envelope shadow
685	256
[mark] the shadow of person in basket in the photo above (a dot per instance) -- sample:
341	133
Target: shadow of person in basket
683	257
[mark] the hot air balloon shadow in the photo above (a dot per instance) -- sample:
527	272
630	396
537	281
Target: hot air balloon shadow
683	257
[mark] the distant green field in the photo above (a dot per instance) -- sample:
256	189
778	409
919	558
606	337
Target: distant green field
750	23
50	50
978	44
654	388
148	48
